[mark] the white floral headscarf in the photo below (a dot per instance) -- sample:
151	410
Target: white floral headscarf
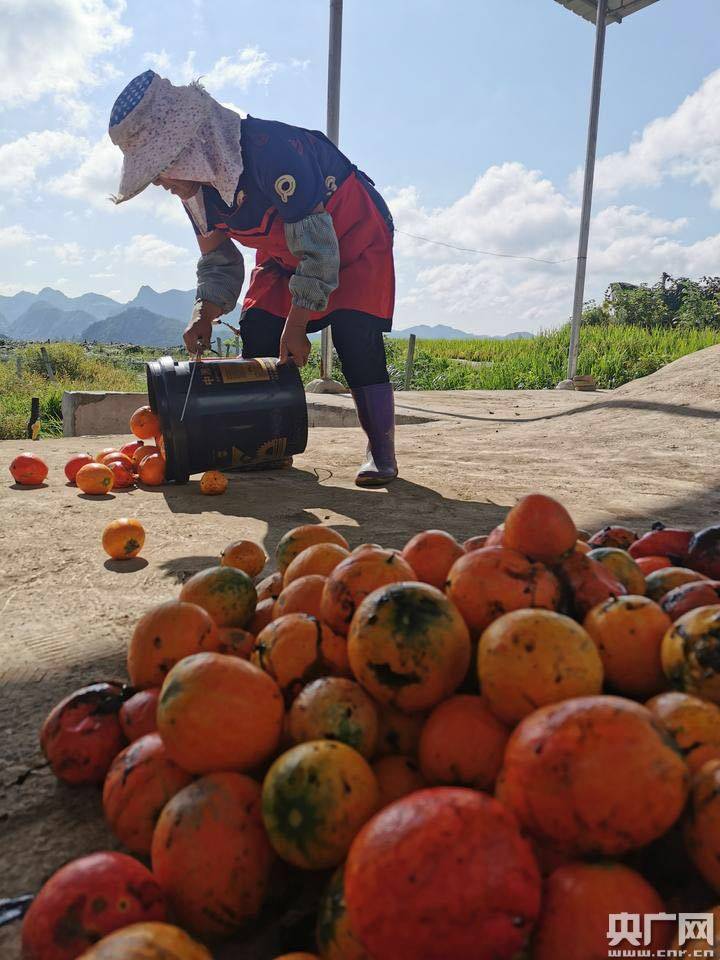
181	132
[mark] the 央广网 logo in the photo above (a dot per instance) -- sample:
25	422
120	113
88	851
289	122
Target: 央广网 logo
630	935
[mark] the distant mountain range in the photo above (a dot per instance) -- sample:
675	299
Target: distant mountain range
439	331
149	319
137	325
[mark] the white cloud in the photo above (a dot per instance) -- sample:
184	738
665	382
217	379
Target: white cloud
70	253
159	61
146	248
250	65
52	46
21	159
95	179
77	113
14	236
685	144
510	209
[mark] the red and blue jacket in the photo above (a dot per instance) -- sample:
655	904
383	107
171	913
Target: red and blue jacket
287	172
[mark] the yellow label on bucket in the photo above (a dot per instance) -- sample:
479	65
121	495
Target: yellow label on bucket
270	450
246	371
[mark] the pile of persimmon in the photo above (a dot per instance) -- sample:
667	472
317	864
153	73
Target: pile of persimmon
489	745
114	468
138	461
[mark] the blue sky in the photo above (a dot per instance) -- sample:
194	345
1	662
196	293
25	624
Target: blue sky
470	116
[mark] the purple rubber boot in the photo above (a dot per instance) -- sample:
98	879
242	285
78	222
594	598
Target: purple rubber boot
376	411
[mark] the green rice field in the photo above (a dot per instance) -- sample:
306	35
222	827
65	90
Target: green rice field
613	353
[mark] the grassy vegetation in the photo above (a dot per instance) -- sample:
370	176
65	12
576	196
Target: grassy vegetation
613	353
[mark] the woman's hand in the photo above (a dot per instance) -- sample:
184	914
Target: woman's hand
294	343
198	333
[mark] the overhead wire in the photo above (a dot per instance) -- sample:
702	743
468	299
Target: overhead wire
484	253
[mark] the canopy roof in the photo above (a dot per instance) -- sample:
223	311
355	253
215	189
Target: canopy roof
617	9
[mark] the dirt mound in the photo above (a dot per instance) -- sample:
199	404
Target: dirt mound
693	379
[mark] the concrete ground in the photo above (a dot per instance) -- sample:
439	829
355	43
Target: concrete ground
634	455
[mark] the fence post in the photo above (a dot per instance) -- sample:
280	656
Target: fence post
33	424
410	362
48	365
219	346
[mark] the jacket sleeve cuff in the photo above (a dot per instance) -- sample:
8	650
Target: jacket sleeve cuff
220	276
314	242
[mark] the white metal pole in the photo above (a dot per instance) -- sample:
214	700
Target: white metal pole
333	132
588	187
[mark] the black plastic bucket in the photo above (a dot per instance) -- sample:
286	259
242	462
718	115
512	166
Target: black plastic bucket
240	413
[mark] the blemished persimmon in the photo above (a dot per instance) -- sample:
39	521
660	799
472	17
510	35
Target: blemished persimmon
593	776
245	555
491	581
694	724
140	781
264	614
431	554
138	714
296	649
151	471
28	470
335	708
702	823
399	732
578	899
462	744
270	587
236	642
397	776
355	578
219	713
409	646
144	423
300	538
529	658
211	855
227	594
124	538
143	451
105	452
123	473
102	892
321	558
115	455
622	566
541	528
303	595
213	483
74	463
620	538
648	565
129	448
628	632
315	798
442	873
95	479
163	636
662	581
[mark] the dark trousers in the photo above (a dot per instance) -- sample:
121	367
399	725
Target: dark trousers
358	339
